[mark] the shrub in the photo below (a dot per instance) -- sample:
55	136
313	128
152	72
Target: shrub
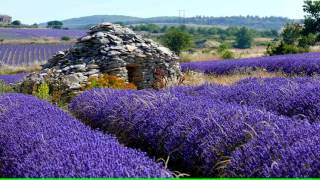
16	23
283	48
54	92
4	88
65	38
244	38
222	48
41	141
107	81
177	40
42	92
224	52
227	54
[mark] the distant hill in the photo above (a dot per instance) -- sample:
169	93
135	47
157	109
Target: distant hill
254	22
87	21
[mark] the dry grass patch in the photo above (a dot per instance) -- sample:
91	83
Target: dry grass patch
199	56
195	78
20	69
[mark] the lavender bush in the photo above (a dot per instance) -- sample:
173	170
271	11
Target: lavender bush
13	78
198	132
16	33
39	140
29	54
294	97
306	64
279	152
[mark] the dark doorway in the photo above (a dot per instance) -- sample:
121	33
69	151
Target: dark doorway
134	74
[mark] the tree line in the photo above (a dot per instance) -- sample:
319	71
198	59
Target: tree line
298	38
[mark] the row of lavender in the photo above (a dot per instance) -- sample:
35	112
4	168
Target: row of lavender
39	140
21	55
247	130
306	64
16	33
12	78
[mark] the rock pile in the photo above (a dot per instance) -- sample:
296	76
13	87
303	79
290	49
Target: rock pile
114	50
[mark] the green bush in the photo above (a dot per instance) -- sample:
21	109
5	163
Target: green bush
5	88
177	40
227	54
283	48
222	48
43	91
65	38
244	38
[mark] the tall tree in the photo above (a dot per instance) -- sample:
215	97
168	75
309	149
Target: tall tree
291	33
55	24
177	40
244	38
16	22
312	17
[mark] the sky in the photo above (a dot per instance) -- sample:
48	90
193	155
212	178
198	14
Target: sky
37	11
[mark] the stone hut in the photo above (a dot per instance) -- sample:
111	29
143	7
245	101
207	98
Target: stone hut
5	19
114	50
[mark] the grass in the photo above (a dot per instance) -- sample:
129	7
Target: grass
207	54
21	69
199	56
4	88
195	78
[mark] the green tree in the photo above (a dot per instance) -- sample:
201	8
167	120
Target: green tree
55	24
244	38
312	17
291	33
177	40
16	23
65	38
283	48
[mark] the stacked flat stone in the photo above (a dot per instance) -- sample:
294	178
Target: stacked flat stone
115	50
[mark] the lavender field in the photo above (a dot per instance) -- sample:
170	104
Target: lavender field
40	140
29	54
20	33
303	64
256	128
12	78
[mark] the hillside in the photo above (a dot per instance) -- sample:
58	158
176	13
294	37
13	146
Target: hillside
254	22
84	22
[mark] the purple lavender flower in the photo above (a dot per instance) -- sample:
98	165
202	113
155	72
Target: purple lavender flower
29	54
16	33
39	140
13	78
199	132
307	63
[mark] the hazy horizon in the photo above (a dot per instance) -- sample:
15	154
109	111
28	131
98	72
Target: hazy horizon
37	11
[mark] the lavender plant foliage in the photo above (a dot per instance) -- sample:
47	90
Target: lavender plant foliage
13	78
280	151
16	33
307	64
39	140
197	132
297	97
28	54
